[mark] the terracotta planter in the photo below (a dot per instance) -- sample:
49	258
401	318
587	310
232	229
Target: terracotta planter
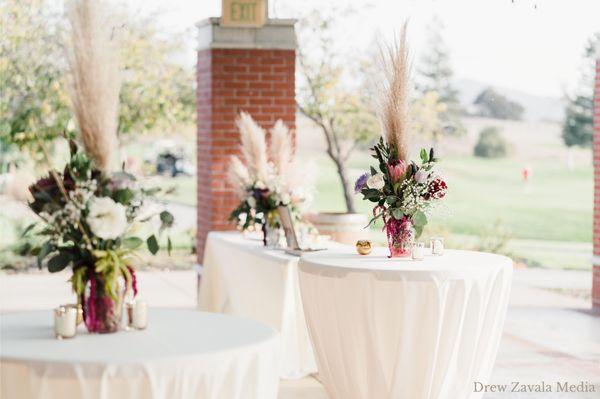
346	228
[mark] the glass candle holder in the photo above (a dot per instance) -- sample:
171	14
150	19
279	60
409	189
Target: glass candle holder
129	312
140	315
437	246
79	309
65	322
418	251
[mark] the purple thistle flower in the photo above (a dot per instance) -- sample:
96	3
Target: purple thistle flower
360	183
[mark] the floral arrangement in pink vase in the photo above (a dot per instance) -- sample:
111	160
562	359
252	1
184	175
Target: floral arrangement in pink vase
404	194
404	191
95	223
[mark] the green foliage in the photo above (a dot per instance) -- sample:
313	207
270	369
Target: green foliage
34	96
491	104
491	144
436	76
152	243
342	111
157	92
579	112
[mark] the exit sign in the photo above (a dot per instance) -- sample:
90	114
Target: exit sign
244	13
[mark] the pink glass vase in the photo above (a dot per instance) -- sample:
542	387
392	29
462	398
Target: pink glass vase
101	312
400	236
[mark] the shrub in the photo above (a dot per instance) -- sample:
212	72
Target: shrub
491	144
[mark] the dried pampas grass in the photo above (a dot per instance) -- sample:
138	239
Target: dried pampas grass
394	103
254	147
95	79
281	147
238	176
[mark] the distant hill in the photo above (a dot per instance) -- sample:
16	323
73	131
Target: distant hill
537	108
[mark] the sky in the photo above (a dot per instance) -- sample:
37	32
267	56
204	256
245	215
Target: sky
534	46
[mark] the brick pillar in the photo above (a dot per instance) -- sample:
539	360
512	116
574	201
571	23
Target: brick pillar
596	262
238	69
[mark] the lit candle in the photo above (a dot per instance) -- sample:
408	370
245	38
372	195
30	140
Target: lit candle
437	245
65	322
140	315
418	251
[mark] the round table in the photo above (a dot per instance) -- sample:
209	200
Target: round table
182	354
397	328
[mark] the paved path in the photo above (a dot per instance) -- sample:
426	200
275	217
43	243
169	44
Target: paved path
547	337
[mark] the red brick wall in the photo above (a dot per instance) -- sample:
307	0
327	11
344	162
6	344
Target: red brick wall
596	268
258	81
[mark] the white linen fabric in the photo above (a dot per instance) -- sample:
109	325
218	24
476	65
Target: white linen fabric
181	354
396	328
241	277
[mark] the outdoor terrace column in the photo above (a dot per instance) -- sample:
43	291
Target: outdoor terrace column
596	258
238	69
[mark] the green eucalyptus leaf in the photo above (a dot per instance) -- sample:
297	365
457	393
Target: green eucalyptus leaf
123	196
390	199
59	261
424	156
152	244
45	250
397	213
167	219
373	171
418	231
419	219
132	242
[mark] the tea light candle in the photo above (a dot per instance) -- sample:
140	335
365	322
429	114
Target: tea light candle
140	315
65	322
437	245
129	312
418	251
79	311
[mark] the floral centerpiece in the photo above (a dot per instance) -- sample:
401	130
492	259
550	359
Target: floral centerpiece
404	191
95	219
268	178
93	222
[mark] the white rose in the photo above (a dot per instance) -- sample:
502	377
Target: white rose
376	182
420	176
107	219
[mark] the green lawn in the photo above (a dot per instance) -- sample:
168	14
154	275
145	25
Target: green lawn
548	220
555	205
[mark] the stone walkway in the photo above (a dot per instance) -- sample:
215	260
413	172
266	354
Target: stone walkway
548	337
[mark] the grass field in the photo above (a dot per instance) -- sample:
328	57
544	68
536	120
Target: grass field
555	205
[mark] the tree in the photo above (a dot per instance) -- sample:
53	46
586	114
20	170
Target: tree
491	104
579	112
157	92
34	95
427	116
491	144
341	111
436	75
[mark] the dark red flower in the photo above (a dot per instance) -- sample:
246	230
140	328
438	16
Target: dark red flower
436	190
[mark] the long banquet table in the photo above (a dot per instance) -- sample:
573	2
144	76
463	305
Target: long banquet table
182	354
396	328
242	278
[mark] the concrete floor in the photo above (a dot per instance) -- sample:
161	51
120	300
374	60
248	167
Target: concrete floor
548	336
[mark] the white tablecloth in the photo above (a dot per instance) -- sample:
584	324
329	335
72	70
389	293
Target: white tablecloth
384	328
243	278
182	354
